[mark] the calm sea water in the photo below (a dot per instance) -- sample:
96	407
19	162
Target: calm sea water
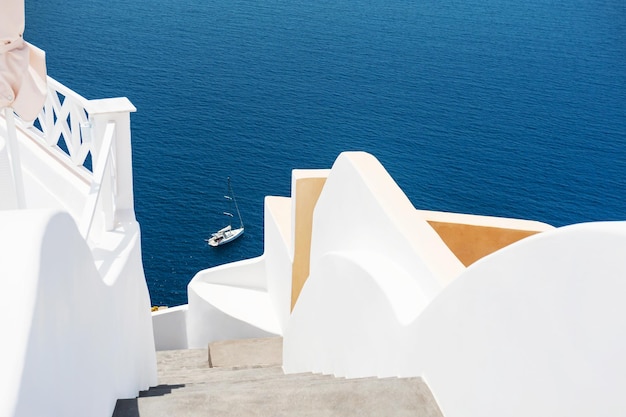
495	107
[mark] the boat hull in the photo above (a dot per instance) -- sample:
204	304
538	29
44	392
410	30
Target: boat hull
225	236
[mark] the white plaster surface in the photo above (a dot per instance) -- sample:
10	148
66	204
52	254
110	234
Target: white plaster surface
375	265
48	181
536	328
361	208
72	344
229	302
278	256
207	322
170	328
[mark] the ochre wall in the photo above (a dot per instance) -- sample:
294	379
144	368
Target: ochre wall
307	192
470	242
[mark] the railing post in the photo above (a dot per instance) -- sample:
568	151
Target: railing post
14	152
116	200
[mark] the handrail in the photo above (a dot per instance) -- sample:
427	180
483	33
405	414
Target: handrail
92	139
66	91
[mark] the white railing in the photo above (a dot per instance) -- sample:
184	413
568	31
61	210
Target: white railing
65	123
91	138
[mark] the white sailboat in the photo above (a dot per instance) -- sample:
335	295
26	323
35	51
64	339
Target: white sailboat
227	234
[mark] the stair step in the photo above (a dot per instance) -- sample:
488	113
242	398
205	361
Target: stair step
266	351
217	374
245	378
259	381
371	397
265	386
189	358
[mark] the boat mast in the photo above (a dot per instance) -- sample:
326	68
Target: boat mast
232	193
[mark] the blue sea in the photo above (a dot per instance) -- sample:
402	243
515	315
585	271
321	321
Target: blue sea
496	107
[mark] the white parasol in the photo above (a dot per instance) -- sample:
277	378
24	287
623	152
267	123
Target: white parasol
22	80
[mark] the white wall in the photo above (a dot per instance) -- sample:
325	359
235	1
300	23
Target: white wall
207	322
229	302
248	273
537	328
170	328
348	318
71	344
361	208
375	265
278	255
48	183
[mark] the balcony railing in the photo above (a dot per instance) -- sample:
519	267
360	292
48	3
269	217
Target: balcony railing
91	139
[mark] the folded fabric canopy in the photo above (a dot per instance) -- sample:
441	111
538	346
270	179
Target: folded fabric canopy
22	84
22	65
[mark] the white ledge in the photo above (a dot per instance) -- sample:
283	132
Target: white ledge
110	105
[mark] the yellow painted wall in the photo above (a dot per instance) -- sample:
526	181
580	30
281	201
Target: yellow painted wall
470	242
308	191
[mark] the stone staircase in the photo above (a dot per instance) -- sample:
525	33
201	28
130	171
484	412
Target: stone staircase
245	378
